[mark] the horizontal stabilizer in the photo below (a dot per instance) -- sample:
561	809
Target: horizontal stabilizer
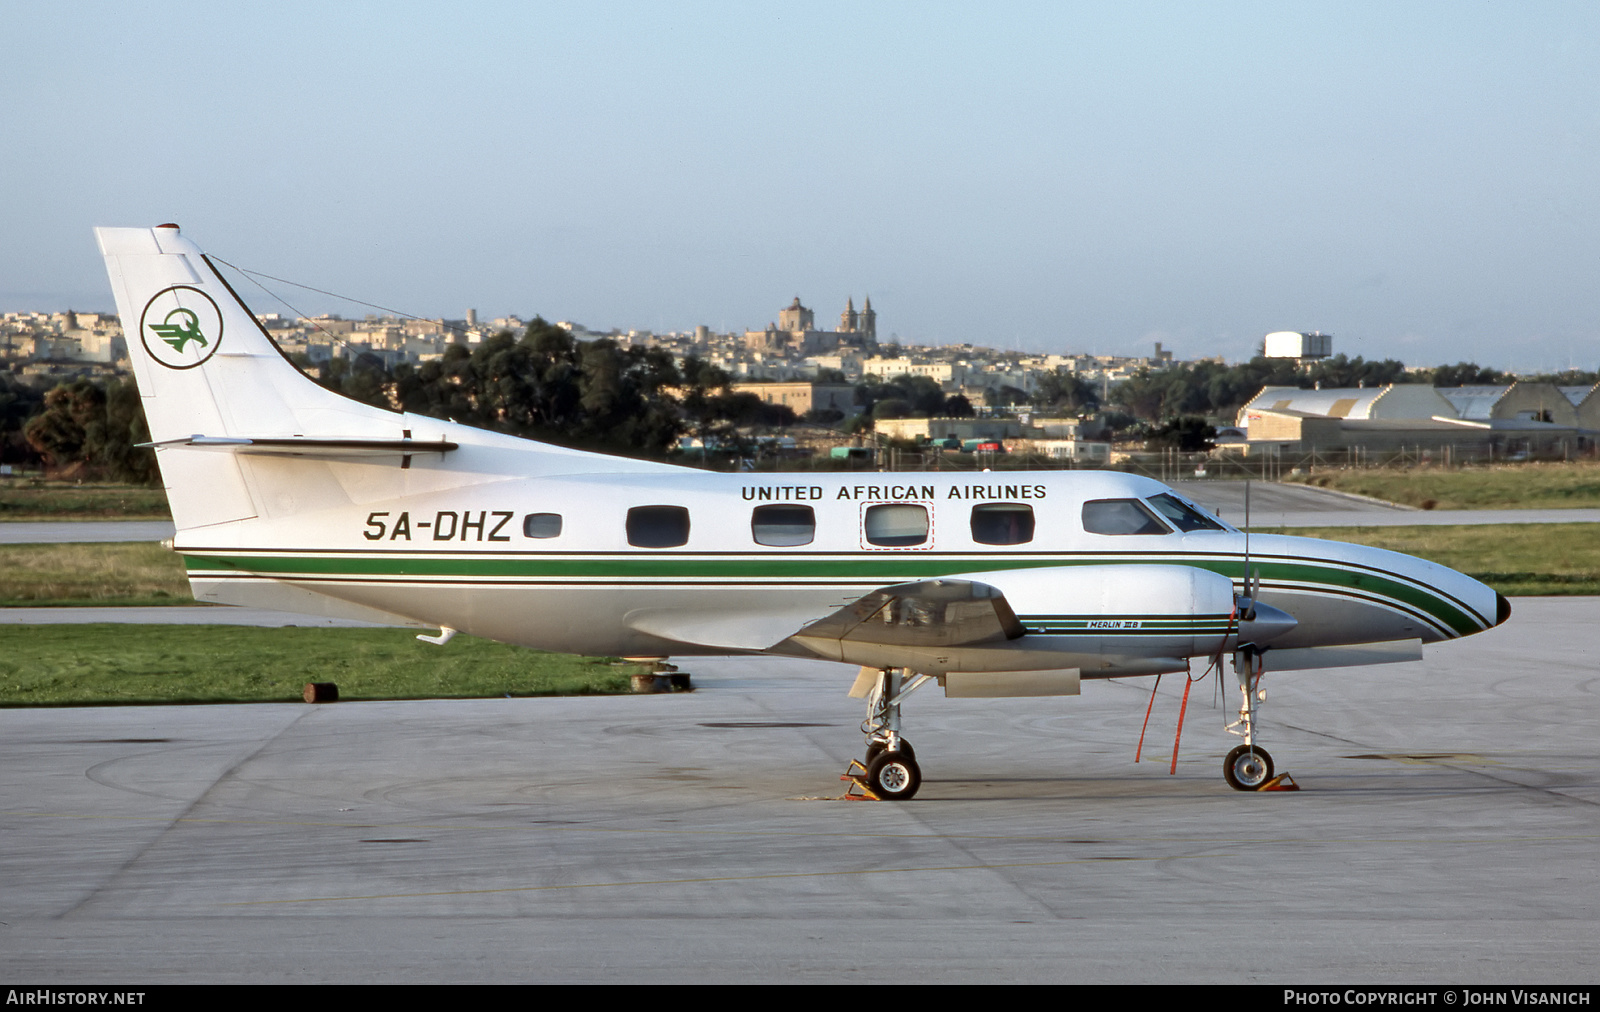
302	446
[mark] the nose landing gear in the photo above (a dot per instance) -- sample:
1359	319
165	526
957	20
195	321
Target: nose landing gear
1249	766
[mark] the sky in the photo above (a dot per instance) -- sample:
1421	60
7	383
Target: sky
1417	179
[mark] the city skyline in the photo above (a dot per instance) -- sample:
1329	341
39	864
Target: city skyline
1415	180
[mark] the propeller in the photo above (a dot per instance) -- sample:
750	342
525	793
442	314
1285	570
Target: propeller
1252	592
1247	613
1258	623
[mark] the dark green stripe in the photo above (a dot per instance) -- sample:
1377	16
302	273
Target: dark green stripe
878	569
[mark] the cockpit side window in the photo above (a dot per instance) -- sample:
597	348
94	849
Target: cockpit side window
1002	523
1182	515
1121	516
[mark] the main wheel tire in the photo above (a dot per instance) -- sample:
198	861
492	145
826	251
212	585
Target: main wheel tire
1247	768
894	776
875	749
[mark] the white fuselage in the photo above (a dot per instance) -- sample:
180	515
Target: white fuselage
463	558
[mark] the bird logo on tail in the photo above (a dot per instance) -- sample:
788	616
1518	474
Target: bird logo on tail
181	333
189	330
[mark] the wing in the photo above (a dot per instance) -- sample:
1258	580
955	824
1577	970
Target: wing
1113	619
927	614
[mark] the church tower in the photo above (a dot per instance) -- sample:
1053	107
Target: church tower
796	317
848	318
869	322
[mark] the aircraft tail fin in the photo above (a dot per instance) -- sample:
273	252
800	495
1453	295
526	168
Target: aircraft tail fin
207	370
204	364
240	432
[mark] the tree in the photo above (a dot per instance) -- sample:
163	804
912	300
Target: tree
1144	394
1188	433
1340	371
95	428
547	385
891	407
1065	392
19	401
1004	396
1464	374
922	396
823	416
1210	388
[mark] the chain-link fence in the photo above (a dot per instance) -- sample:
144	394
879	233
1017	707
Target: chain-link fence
1264	463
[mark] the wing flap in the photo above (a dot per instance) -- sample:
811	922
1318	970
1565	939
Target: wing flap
724	630
1355	655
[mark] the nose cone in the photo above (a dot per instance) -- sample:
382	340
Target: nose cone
1267	624
1502	609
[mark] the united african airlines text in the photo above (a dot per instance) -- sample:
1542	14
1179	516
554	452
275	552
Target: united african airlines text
796	493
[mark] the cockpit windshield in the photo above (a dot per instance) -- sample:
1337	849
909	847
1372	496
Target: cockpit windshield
1121	516
1184	516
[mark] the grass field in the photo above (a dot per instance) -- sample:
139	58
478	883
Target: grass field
1498	486
1515	559
122	573
36	499
56	665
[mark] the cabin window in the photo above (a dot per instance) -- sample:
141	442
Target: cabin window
1121	516
897	525
783	526
658	526
1002	523
541	525
1182	515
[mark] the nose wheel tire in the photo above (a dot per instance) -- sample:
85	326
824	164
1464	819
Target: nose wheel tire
1247	768
875	749
893	776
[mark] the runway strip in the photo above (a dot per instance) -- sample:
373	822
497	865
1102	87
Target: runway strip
27	532
177	614
1275	505
1430	518
1445	833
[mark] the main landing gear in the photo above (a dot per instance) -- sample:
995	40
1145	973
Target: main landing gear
1248	767
890	771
